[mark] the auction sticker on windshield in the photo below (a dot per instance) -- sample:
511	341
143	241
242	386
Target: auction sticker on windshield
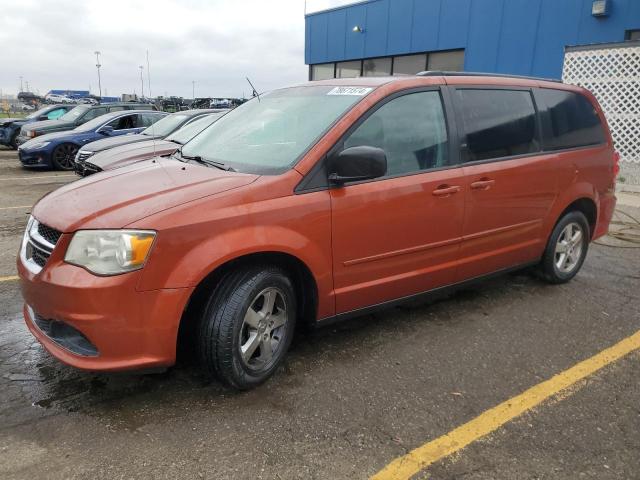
359	91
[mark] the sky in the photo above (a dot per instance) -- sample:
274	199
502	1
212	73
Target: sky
216	43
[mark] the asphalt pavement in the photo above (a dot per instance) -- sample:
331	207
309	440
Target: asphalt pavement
350	398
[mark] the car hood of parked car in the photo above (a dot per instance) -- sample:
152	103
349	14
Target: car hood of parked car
50	125
48	137
116	198
132	152
5	122
110	142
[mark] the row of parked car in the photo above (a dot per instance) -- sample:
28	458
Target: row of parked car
65	137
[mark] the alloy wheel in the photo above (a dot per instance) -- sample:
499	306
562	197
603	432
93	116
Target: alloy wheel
262	329
64	156
569	248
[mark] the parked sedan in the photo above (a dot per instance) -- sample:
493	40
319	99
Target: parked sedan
59	149
10	127
75	117
136	152
159	130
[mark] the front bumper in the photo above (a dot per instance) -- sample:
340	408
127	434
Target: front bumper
126	328
34	158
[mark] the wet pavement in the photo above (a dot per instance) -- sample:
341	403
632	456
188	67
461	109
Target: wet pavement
350	398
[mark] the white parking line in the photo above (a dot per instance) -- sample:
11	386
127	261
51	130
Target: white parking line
15	208
35	178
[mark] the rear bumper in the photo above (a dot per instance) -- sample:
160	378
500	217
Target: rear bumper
124	329
606	207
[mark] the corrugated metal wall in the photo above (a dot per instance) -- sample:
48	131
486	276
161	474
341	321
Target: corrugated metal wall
524	37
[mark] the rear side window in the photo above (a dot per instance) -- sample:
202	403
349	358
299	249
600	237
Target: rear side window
497	123
568	120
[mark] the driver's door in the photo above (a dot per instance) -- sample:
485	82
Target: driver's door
400	234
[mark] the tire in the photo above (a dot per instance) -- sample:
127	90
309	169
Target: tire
564	255
63	156
243	348
13	143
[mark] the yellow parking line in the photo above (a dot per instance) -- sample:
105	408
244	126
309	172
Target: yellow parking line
9	279
417	460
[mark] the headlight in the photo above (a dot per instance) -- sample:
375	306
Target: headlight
39	145
31	133
110	252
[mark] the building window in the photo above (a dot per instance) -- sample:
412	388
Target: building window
633	35
348	69
377	67
323	71
452	61
409	64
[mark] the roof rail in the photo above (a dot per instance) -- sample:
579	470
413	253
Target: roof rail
435	73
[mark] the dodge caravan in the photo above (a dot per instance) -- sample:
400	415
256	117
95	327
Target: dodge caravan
311	204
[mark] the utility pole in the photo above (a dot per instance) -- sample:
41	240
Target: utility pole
98	67
27	83
141	80
21	84
193	89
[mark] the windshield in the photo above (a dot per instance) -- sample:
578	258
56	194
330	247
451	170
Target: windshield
37	113
95	123
75	113
165	126
269	134
190	130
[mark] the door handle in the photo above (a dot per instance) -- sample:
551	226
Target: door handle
446	190
483	184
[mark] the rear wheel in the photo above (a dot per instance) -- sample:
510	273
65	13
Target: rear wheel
566	249
64	155
247	326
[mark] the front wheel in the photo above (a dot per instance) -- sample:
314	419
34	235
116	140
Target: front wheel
566	249
247	326
64	155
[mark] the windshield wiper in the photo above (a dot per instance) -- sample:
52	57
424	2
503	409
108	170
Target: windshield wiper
203	161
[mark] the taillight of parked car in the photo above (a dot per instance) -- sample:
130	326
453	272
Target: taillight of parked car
616	164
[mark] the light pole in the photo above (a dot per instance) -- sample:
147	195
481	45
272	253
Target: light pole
21	84
193	89
98	67
141	80
27	85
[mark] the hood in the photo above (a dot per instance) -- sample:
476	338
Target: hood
5	122
133	152
110	142
47	137
119	197
50	125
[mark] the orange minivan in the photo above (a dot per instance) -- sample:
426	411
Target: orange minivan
311	204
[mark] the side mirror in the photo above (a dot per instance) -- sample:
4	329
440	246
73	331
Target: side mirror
43	117
357	163
106	130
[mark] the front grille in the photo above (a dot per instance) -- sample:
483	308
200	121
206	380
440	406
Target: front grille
50	234
84	169
38	245
64	335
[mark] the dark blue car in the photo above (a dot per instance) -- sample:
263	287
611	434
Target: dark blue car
10	127
58	150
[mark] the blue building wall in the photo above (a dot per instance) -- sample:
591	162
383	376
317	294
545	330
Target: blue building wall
525	37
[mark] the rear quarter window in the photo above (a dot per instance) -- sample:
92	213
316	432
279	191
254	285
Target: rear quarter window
569	120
